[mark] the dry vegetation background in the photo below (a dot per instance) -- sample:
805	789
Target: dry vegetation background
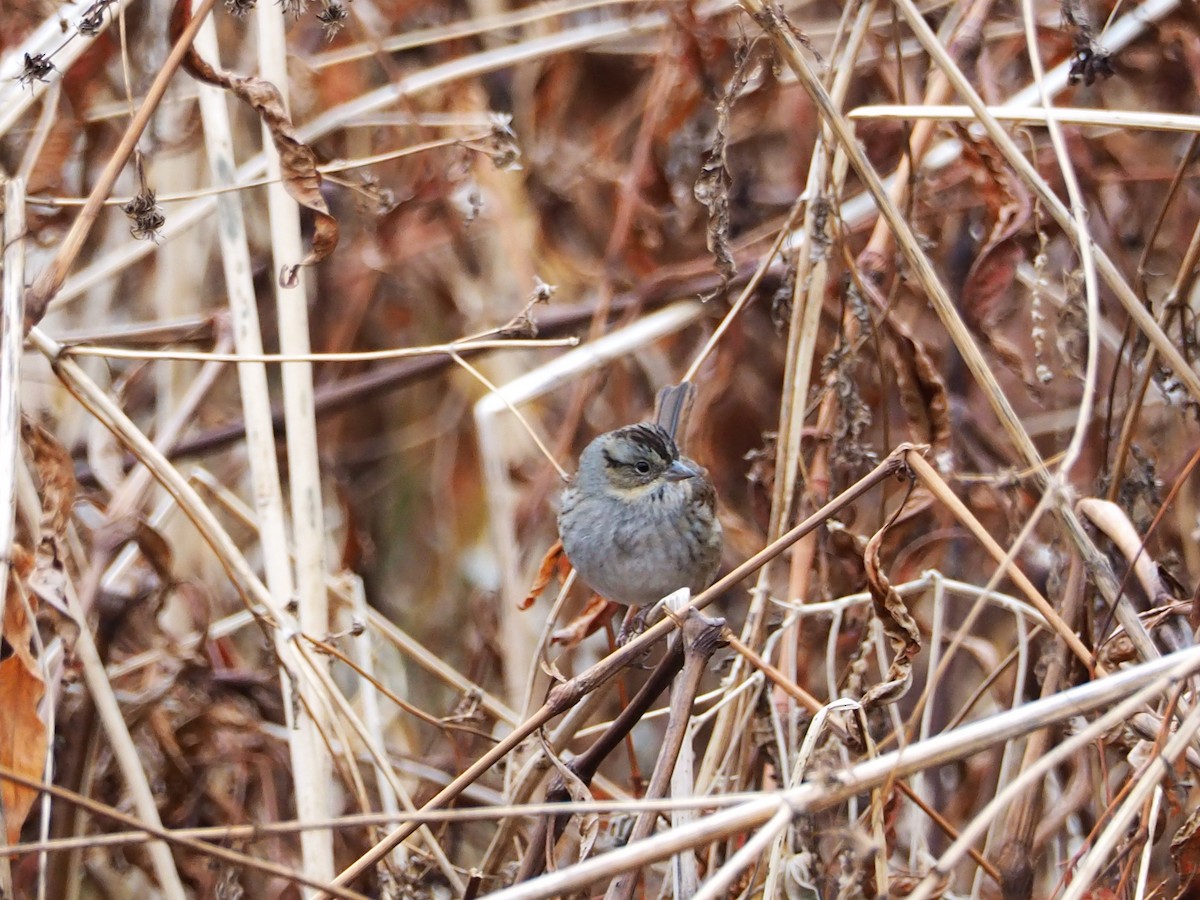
262	611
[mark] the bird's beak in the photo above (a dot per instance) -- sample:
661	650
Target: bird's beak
680	470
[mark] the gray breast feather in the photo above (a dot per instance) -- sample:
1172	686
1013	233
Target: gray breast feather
636	558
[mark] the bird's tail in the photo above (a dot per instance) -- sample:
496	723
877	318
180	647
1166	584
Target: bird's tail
672	408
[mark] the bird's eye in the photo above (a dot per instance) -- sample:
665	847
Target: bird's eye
642	467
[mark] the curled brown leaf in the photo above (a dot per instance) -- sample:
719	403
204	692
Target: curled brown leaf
898	625
597	612
549	565
297	160
715	180
1009	209
56	473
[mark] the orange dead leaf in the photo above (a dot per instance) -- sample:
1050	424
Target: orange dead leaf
56	473
594	615
21	564
550	564
18	629
22	739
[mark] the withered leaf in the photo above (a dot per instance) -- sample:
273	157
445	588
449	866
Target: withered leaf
579	792
56	473
18	626
56	476
297	160
1009	208
923	393
715	180
594	615
1185	851
155	549
898	625
550	564
990	277
22	739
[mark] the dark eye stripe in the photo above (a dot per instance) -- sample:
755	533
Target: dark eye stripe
641	465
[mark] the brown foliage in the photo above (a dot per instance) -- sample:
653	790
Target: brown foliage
619	161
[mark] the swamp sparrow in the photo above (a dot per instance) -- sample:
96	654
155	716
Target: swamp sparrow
638	520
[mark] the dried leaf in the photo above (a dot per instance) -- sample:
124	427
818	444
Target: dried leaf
715	180
48	581
898	625
594	615
297	160
551	668
155	549
990	277
22	739
47	173
1185	852
18	625
21	563
551	563
1071	339
1010	209
851	445
922	390
56	472
579	792
56	475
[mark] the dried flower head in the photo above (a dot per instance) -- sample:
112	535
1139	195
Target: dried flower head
502	144
523	325
542	292
92	19
1089	62
333	18
373	198
37	68
146	216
